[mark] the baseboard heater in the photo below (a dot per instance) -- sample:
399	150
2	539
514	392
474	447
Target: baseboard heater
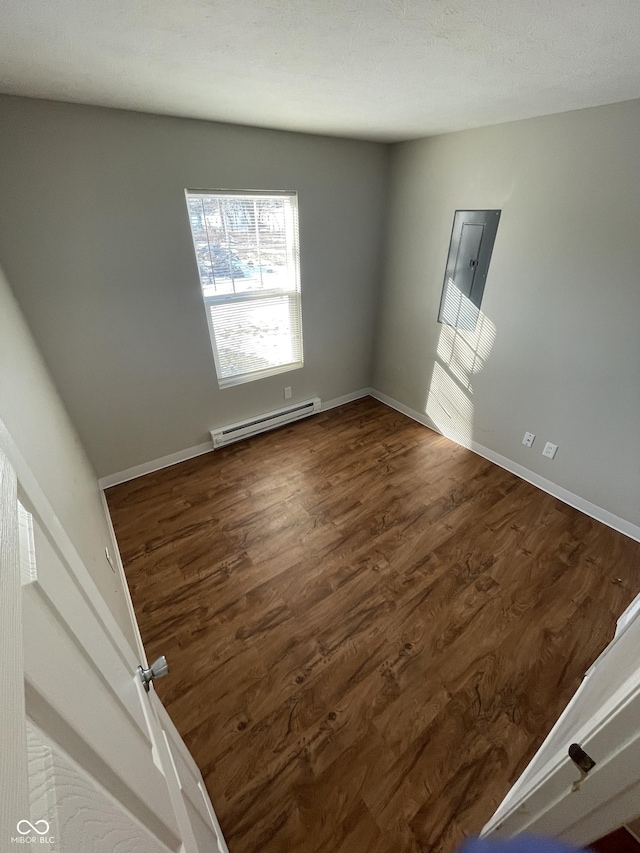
270	420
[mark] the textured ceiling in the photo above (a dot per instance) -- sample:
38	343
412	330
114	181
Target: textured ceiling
376	69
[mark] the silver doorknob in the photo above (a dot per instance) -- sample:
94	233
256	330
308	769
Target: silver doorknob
158	669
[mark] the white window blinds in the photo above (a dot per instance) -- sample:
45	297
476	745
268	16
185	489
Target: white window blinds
246	247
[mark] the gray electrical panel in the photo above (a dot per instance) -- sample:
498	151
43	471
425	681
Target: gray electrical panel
472	238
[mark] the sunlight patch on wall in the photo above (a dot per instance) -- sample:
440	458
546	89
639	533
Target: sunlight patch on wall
461	353
458	310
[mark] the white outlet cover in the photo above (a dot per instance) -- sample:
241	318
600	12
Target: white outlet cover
549	450
529	438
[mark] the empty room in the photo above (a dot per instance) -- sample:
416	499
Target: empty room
319	412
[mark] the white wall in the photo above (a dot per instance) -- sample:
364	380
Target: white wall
95	240
558	349
34	415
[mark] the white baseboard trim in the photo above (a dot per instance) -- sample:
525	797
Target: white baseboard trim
620	524
421	417
200	449
346	398
154	465
562	494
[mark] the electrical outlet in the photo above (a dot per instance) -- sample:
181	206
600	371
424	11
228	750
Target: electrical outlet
528	439
549	450
287	392
109	558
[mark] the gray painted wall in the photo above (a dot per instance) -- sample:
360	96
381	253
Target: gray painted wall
562	298
95	240
39	425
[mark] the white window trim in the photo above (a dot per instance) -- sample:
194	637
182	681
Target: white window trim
294	297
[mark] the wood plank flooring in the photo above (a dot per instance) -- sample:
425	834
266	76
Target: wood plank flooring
370	629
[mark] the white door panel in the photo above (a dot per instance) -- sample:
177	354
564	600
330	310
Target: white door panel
14	801
96	698
193	793
85	703
80	814
82	751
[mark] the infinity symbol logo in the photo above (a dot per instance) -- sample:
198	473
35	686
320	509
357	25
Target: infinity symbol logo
31	827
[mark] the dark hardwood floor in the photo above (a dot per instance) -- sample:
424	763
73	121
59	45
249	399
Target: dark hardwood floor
370	629
618	841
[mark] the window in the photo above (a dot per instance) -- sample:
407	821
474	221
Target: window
246	246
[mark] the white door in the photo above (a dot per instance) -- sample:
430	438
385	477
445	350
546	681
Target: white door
88	760
553	796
